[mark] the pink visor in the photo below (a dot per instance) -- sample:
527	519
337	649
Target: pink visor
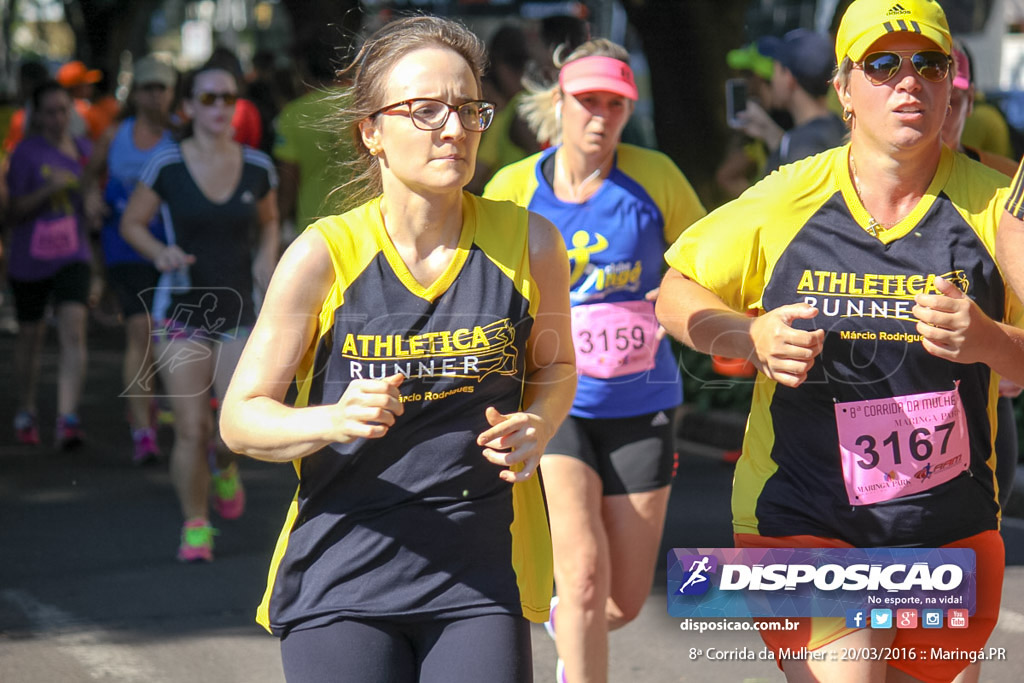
594	73
962	79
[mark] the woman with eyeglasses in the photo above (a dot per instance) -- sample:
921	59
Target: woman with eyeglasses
607	471
217	194
143	131
421	330
884	327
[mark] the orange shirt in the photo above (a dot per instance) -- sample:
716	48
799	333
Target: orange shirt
100	115
15	132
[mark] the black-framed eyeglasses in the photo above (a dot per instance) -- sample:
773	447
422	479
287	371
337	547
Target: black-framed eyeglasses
430	114
208	98
880	67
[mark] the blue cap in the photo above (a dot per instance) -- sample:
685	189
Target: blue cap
807	54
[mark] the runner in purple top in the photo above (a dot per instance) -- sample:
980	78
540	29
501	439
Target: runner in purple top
49	259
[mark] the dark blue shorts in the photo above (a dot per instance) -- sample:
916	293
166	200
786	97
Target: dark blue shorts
630	454
133	284
69	284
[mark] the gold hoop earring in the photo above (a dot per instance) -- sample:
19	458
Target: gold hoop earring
847	115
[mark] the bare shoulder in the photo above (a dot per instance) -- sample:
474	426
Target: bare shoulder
305	269
549	262
546	243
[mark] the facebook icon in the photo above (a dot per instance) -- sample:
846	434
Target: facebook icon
856	618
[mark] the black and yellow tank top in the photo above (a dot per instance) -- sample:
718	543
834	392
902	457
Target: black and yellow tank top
802	235
416	524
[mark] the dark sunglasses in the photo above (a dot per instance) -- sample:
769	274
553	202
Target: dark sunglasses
880	67
428	114
208	98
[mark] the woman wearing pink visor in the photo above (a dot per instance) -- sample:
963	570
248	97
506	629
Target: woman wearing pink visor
608	469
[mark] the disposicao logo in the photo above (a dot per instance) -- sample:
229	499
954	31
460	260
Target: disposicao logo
695	580
804	582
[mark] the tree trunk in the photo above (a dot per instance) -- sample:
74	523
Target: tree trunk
104	28
686	44
334	23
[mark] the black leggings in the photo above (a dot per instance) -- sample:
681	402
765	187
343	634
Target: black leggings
493	648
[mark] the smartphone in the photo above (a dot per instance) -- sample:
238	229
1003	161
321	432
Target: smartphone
735	100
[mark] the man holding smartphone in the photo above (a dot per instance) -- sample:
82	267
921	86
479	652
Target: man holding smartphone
804	64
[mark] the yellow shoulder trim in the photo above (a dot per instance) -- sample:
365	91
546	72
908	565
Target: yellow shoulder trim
516	182
503	233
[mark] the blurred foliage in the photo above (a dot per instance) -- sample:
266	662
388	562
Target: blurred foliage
704	389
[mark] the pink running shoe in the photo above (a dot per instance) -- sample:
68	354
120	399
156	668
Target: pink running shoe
69	432
228	493
25	429
549	625
146	449
196	541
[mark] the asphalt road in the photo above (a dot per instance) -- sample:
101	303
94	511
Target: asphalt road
90	590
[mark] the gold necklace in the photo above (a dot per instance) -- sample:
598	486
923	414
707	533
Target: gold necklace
873	225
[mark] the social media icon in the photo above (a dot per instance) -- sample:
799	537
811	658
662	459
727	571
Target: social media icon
856	618
881	618
957	618
906	618
931	618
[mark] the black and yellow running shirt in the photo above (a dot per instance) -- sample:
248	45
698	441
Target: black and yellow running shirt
416	524
802	235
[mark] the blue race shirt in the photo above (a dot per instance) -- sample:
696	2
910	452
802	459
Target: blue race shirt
124	163
616	240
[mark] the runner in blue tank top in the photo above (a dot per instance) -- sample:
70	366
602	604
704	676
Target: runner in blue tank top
607	471
142	133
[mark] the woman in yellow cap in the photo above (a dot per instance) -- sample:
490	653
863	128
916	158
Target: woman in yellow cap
872	267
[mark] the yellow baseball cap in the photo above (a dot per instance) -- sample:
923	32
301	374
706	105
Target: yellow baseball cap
866	21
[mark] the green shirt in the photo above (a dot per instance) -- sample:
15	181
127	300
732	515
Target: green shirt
303	139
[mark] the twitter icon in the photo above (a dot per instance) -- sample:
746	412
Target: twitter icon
881	618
